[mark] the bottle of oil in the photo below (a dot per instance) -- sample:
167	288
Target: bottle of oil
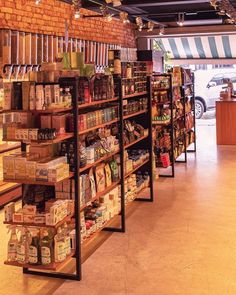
46	248
12	245
22	247
34	248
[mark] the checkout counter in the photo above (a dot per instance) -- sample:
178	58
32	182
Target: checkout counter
226	119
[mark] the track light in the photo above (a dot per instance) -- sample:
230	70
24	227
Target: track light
180	21
139	23
162	31
77	14
115	3
77	5
124	17
37	2
105	13
214	3
150	26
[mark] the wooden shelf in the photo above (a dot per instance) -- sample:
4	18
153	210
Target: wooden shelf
100	194
5	147
106	157
54	111
135	114
160	123
52	266
87	241
136	168
98	126
163	103
34	182
97	102
161	89
135	94
60	223
136	141
58	139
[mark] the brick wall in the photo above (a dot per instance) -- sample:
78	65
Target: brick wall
49	18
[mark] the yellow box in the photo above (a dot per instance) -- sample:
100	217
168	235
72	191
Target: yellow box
9	167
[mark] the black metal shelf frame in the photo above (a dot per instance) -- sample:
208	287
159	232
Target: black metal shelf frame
73	84
171	125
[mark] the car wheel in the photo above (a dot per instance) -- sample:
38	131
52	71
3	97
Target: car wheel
199	109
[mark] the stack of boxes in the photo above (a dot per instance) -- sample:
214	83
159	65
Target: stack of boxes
29	166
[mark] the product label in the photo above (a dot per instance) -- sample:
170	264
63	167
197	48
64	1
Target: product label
21	253
67	245
33	255
12	251
60	254
46	255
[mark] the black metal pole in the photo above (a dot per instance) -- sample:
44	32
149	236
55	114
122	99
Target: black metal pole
76	180
122	150
150	137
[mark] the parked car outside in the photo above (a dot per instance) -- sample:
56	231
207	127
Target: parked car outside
208	85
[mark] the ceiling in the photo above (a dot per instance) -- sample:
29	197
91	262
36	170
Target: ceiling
165	12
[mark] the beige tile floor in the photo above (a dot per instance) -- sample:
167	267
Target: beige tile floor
183	244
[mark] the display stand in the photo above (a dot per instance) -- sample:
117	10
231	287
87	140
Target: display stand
56	269
175	118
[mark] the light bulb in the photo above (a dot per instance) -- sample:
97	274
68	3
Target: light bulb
37	2
77	14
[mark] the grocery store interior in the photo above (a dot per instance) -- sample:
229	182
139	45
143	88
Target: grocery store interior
117	147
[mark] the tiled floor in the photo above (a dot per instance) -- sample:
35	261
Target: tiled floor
183	244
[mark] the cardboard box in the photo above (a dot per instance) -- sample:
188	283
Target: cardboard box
8	92
46	121
40	219
33	134
18	216
29	209
9	210
59	123
30	169
42	151
20	167
28	218
9	167
58	173
26	95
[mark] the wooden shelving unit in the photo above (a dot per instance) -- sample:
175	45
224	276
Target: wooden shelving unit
118	222
35	182
66	219
56	266
97	102
58	139
181	138
135	95
98	126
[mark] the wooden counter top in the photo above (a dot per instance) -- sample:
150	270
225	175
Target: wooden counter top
224	101
226	122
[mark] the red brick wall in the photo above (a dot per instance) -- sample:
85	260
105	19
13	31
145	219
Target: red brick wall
49	18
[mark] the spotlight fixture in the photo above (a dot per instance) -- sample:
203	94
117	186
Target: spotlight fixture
105	13
225	8
37	2
214	3
139	23
180	21
150	26
115	3
162	31
124	17
77	6
77	14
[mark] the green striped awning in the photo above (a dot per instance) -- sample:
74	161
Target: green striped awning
199	47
